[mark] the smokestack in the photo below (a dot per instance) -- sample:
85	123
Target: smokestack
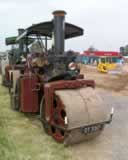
59	31
21	44
20	31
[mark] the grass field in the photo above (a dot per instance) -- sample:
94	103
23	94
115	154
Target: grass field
22	136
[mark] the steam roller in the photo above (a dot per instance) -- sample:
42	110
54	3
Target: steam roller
76	115
70	108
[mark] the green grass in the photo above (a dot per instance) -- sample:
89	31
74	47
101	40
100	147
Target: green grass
23	138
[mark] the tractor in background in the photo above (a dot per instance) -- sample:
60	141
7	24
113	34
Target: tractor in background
50	83
13	58
105	65
16	58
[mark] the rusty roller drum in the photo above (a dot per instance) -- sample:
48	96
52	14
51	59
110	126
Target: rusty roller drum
73	110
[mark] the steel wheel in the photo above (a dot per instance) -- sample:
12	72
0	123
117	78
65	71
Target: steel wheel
15	97
42	116
59	120
11	83
57	134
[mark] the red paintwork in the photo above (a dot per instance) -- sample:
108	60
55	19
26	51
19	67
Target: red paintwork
29	96
58	136
101	53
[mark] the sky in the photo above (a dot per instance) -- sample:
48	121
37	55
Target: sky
104	22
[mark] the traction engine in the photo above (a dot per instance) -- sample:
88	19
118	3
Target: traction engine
70	108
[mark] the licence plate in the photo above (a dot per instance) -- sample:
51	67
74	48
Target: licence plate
91	129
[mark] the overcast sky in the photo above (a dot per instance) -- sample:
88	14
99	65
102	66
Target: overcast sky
105	22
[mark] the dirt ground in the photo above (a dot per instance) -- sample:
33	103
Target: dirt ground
112	144
114	83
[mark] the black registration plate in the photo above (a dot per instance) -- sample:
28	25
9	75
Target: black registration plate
91	129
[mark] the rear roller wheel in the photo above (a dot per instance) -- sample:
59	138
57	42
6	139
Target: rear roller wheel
53	130
15	97
57	134
11	83
42	116
76	115
59	114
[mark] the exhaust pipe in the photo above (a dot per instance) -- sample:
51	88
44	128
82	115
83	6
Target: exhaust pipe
21	43
59	31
